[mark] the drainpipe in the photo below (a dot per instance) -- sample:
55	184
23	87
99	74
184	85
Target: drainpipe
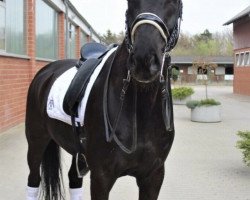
67	28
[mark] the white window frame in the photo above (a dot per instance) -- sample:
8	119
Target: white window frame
247	58
237	59
3	4
241	58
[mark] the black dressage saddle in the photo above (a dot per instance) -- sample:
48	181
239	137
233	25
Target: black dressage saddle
93	50
91	56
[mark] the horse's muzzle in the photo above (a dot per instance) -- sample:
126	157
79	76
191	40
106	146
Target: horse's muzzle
145	70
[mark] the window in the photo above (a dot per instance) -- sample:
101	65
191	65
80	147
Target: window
2	25
72	41
12	27
237	59
201	70
84	38
46	31
241	59
246	59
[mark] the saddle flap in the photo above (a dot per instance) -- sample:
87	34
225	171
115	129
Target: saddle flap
78	85
92	50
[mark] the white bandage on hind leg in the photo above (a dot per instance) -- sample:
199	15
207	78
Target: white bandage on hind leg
76	194
32	193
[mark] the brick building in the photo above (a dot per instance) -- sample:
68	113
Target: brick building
241	33
32	34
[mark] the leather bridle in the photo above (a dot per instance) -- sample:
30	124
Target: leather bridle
170	42
153	19
149	18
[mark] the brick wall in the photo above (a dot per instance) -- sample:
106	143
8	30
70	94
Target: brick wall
242	44
61	38
14	81
78	41
242	80
241	33
242	77
16	72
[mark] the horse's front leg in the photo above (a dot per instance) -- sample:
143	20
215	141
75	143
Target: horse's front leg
101	184
149	187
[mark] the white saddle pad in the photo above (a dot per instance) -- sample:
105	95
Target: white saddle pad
60	87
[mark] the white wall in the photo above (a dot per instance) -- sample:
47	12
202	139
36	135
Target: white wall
220	70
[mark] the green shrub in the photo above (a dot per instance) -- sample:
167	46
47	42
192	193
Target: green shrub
204	102
192	104
244	145
209	102
182	92
175	74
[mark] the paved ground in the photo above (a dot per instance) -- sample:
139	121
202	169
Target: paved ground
203	164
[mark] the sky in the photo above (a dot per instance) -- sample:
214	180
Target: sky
198	15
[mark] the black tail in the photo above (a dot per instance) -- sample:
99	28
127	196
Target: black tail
52	173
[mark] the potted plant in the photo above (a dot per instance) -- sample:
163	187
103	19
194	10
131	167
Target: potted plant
244	144
181	95
206	110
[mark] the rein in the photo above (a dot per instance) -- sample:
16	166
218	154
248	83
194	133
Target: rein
110	129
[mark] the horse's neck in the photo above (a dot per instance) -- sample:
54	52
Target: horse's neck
148	100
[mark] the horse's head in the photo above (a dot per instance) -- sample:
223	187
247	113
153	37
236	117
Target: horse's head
152	31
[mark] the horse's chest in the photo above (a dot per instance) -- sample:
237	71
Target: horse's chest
152	150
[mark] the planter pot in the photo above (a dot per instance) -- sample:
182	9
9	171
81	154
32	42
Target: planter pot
181	101
206	114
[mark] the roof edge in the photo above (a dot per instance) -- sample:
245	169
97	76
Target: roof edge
240	15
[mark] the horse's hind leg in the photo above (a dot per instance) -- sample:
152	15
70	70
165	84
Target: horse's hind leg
37	144
75	183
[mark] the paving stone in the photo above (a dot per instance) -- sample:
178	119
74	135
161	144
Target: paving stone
204	163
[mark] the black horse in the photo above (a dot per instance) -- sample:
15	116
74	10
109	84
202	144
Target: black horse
129	123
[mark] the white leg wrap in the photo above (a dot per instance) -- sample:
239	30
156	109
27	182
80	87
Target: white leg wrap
32	193
76	194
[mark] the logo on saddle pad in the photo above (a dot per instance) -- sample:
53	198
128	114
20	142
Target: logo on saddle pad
51	104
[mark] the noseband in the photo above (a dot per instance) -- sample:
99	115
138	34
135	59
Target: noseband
152	19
